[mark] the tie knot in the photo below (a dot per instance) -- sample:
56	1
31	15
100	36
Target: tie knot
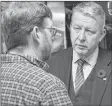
81	62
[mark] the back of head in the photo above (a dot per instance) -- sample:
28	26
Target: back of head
91	9
19	19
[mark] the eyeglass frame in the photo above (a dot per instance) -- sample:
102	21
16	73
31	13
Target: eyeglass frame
51	30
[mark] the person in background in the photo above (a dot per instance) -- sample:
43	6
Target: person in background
27	30
85	68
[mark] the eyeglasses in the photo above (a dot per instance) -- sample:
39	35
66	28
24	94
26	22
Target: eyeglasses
53	31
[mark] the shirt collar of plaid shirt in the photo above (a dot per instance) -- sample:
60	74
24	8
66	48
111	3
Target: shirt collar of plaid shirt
17	58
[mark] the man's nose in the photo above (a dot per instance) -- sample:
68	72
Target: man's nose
82	35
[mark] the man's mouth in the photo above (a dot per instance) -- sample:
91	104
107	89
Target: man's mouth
81	46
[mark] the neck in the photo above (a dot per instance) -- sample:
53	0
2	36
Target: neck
24	51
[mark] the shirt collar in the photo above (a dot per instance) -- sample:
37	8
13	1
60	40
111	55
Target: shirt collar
90	59
75	56
11	58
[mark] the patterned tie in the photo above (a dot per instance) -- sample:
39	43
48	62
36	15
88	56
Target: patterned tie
79	79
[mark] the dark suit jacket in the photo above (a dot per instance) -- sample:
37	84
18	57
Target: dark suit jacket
60	66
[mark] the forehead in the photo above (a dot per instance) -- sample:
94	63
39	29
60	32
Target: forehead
47	22
85	20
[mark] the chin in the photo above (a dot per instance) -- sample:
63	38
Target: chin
81	52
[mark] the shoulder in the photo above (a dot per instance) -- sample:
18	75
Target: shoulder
49	88
54	91
105	57
33	77
105	53
34	83
29	74
40	79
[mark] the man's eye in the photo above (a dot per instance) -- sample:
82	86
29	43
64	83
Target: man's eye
76	28
91	32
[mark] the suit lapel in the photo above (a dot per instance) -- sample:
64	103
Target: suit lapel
99	85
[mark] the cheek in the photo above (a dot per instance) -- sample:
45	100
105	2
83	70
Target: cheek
73	37
50	42
48	37
91	42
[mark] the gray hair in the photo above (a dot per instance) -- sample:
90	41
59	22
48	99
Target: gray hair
19	19
90	9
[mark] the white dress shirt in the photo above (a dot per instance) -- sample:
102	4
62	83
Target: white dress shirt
87	67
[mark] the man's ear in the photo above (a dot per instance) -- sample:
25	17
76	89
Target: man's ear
35	33
103	33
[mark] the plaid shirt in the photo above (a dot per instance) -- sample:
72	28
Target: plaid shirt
25	83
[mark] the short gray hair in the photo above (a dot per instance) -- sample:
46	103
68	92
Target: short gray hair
91	9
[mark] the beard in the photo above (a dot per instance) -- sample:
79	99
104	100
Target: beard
46	52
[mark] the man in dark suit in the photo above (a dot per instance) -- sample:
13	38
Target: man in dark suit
85	68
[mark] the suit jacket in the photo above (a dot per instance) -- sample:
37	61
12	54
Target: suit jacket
60	65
